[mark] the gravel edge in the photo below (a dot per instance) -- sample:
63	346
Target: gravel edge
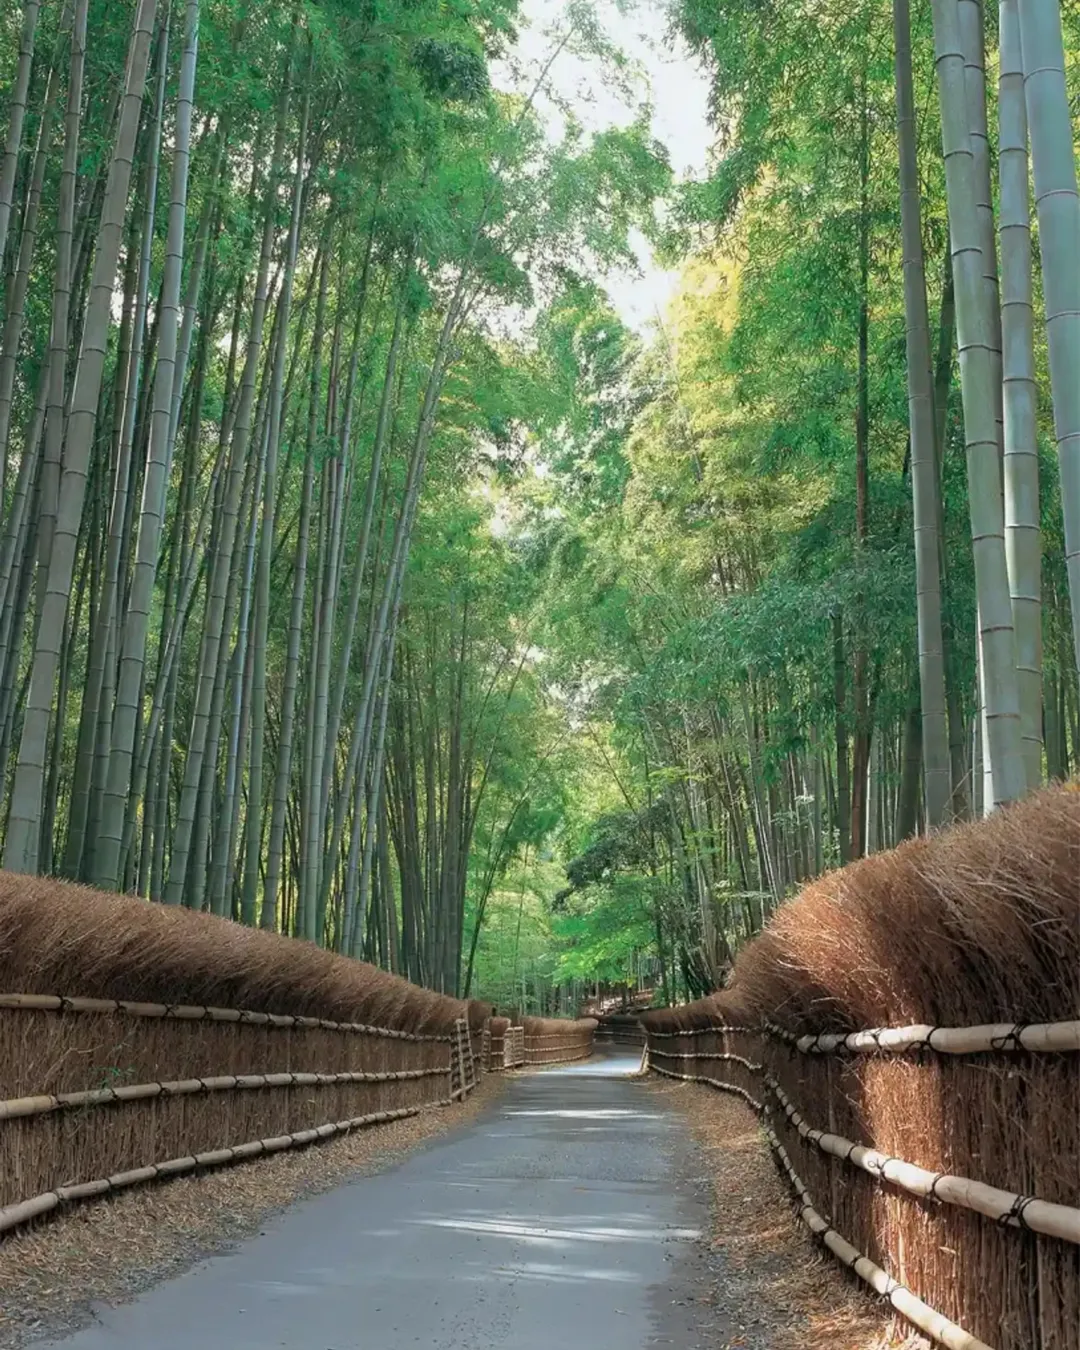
776	1287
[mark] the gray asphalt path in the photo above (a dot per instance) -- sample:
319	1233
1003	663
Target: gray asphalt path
565	1218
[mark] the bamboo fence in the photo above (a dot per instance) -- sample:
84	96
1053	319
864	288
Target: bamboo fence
96	1113
554	1040
943	1142
99	1091
503	1045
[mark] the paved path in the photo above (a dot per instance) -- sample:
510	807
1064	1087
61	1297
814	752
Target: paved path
562	1219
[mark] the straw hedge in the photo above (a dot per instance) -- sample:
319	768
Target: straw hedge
223	1038
556	1040
60	938
977	926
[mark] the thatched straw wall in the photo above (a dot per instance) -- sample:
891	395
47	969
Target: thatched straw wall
57	938
498	1044
556	1040
980	924
376	1044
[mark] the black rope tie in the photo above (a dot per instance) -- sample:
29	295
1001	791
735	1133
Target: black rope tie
928	1043
938	1177
1012	1039
1016	1212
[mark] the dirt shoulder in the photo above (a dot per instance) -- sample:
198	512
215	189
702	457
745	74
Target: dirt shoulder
52	1276
776	1287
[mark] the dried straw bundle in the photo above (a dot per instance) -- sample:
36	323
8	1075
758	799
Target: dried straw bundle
980	924
60	938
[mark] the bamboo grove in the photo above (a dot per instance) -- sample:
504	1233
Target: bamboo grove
364	577
817	583
248	251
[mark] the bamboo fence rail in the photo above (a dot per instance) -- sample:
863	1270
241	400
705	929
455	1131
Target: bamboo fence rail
66	1127
14	1216
462	1063
22	1107
905	1302
1051	1038
1004	1207
515	1048
178	1012
920	1314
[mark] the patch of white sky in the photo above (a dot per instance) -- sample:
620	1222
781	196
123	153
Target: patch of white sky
660	73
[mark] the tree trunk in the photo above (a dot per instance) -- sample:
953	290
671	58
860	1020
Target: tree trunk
16	117
1058	205
924	468
21	847
266	540
1023	544
975	330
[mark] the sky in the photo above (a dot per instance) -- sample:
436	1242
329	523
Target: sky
670	79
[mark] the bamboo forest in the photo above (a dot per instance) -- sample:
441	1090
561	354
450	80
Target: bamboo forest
372	573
